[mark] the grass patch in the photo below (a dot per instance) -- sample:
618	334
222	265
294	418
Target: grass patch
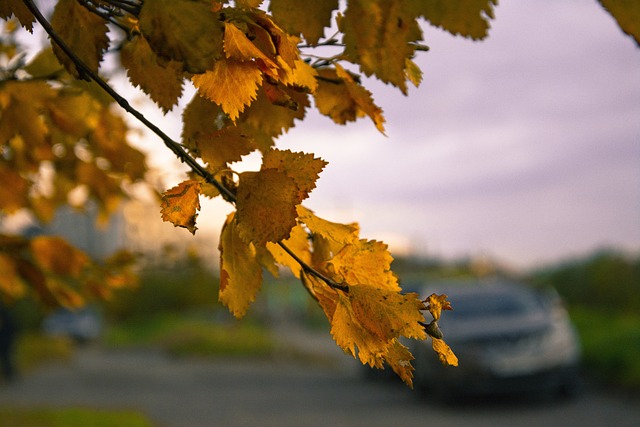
33	350
611	345
182	335
71	417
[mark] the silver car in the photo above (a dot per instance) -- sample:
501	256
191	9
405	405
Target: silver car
508	338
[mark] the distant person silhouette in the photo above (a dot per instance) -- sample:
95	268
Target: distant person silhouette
7	340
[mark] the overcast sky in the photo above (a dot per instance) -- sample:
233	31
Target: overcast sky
524	147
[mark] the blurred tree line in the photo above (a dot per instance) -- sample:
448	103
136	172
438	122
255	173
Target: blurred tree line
606	279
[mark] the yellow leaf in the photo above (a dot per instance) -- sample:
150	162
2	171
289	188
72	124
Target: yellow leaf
266	202
468	18
237	46
21	107
200	117
225	146
379	36
437	303
362	98
303	168
352	337
365	261
298	242
263	117
334	231
64	295
344	100
84	32
444	352
387	314
11	283
18	9
163	83
13	191
302	75
627	15
240	273
55	255
180	205
399	359
230	84
183	30
310	20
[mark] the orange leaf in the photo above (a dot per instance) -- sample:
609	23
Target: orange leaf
180	205
388	314
437	303
365	261
444	352
84	32
230	84
10	281
55	255
240	273
303	168
163	83
266	203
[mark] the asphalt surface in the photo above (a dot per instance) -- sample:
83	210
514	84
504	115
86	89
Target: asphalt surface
325	390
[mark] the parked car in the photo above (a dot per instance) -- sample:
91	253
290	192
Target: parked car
81	325
508	338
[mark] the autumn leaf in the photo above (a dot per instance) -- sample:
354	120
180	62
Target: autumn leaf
56	255
387	313
303	168
437	303
180	205
309	21
298	242
626	14
365	261
237	46
343	100
444	352
379	36
362	98
11	283
84	32
240	273
231	84
266	202
13	191
187	31
263	117
163	83
468	18
18	9
341	234
225	146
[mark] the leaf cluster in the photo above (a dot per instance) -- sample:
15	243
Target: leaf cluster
256	71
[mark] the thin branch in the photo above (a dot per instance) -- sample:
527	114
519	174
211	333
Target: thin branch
86	71
308	269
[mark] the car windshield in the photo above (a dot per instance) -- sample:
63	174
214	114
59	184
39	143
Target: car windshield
483	304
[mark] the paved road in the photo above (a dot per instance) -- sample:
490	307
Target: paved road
282	393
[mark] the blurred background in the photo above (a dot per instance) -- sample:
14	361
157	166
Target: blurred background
517	158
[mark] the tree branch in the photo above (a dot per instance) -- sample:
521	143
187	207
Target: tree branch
86	71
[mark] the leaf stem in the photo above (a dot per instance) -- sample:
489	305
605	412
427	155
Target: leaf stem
310	270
